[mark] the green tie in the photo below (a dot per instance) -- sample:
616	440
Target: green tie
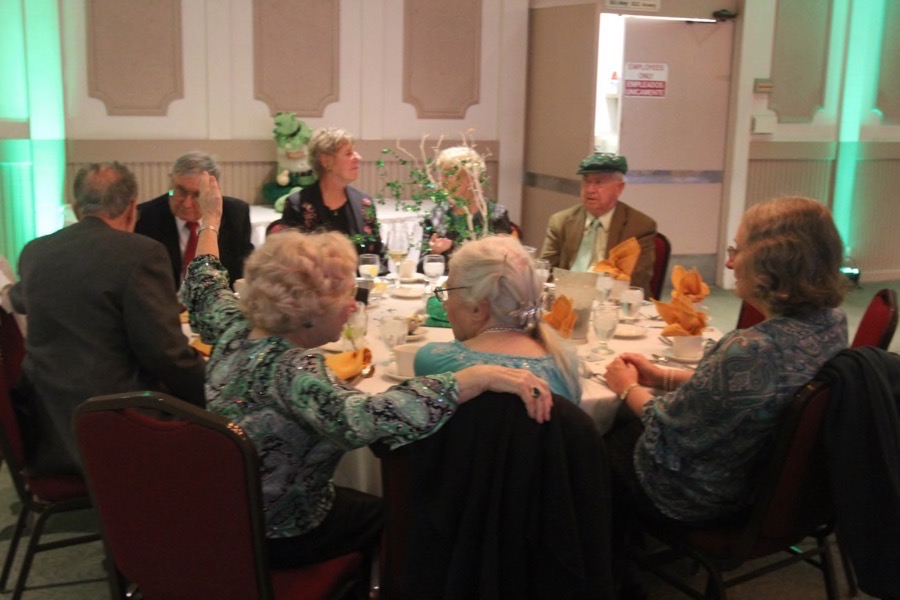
586	248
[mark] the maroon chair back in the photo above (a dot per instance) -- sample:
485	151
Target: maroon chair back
12	445
749	316
660	265
180	503
878	322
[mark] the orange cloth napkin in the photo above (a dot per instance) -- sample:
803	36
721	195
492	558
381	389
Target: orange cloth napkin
688	284
681	316
204	349
347	365
562	316
621	260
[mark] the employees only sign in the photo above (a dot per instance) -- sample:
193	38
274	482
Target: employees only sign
645	80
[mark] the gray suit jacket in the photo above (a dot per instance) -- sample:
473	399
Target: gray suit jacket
566	227
102	319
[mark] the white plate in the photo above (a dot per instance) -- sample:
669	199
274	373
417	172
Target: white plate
408	291
332	347
415	337
391	373
630	332
416	278
688	361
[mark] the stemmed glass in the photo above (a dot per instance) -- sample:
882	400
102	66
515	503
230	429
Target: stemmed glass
604	286
631	300
397	247
354	333
433	265
393	333
542	269
368	266
605	319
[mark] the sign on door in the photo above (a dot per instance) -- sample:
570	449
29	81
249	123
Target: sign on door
645	80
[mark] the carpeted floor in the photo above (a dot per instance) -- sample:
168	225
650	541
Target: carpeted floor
77	573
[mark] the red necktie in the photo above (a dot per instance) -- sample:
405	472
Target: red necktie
191	248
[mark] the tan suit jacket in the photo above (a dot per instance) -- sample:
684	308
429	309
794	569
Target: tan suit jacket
566	227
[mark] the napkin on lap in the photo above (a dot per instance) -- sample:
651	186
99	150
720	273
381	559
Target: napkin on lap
562	316
347	365
204	349
688	284
681	316
621	260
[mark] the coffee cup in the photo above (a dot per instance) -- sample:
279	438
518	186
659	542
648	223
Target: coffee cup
405	355
406	269
687	347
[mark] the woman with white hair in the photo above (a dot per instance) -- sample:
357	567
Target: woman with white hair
332	204
465	213
492	297
266	375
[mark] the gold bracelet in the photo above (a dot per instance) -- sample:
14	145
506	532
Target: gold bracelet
210	227
624	395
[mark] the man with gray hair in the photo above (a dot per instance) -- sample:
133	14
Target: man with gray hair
173	218
102	315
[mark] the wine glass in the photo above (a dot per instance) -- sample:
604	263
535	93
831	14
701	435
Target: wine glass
354	333
397	243
604	286
631	301
394	330
542	269
433	265
369	266
605	319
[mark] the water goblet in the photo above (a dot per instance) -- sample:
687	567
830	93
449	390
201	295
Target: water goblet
394	330
354	333
433	266
542	269
369	265
604	286
605	320
631	301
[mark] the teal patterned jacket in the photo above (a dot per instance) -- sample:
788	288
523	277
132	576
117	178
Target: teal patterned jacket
300	417
704	444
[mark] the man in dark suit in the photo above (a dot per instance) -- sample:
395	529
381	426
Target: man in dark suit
102	315
170	218
580	236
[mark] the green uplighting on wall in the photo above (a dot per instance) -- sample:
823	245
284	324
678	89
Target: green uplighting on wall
860	71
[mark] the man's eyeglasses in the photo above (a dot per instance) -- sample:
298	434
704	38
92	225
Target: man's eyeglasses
732	252
181	193
441	293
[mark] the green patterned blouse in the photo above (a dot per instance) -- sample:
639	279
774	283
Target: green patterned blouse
299	415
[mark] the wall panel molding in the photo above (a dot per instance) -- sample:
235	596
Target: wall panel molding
888	95
296	55
800	59
441	57
134	55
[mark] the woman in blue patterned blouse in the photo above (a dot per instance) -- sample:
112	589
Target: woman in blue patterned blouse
492	297
703	443
265	375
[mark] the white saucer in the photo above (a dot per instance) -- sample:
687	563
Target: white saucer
416	278
415	337
391	373
332	347
688	361
630	332
408	291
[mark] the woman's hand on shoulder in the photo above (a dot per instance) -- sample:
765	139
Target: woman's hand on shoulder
534	391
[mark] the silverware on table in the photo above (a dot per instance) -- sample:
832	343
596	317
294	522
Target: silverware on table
661	359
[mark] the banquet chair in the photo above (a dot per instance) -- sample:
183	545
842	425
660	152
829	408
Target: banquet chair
663	250
12	347
792	502
43	496
181	505
878	323
496	505
749	316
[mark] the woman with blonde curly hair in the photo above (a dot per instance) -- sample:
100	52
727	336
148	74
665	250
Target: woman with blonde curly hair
263	375
492	298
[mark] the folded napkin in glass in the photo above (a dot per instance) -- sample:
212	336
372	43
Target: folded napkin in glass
347	365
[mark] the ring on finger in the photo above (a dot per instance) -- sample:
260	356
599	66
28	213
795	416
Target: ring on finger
535	392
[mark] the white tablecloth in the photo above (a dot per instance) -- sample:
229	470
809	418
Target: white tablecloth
361	470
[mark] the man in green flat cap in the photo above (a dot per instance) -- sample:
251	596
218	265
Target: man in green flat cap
580	236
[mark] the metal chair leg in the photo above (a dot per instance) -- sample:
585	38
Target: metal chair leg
13	546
